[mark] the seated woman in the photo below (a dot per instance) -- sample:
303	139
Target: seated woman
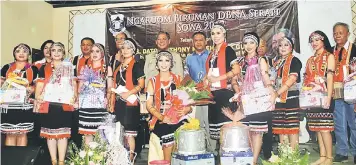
159	93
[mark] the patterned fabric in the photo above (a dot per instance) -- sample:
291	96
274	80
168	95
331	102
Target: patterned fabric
90	119
320	120
258	122
285	122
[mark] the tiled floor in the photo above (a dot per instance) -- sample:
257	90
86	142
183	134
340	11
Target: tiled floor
142	158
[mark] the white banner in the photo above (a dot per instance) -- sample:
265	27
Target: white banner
88	25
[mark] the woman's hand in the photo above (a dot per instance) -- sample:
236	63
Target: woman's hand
273	97
184	111
166	120
125	95
327	103
30	90
213	79
166	105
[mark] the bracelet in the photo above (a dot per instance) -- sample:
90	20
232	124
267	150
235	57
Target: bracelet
331	71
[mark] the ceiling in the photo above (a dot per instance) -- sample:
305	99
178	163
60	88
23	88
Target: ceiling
73	3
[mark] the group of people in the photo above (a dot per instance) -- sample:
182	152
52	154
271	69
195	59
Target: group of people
161	73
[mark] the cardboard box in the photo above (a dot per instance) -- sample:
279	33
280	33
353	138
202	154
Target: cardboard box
199	159
236	158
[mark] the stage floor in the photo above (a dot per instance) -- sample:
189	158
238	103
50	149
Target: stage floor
312	147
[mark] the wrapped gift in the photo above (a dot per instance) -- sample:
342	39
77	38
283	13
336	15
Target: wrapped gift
194	159
350	89
93	91
312	99
13	91
60	89
236	158
257	101
13	96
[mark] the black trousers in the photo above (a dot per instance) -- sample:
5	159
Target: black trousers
267	141
75	136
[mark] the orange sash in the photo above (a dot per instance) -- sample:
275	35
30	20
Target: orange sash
128	77
221	63
28	70
316	67
157	96
285	75
339	72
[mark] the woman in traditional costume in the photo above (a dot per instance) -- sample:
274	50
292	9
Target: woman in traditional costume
320	69
16	119
286	115
220	71
57	117
159	95
254	75
129	75
92	93
45	52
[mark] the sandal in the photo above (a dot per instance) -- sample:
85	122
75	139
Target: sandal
319	161
60	162
328	159
54	162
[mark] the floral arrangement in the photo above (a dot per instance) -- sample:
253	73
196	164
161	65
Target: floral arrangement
107	147
196	91
187	94
287	156
92	154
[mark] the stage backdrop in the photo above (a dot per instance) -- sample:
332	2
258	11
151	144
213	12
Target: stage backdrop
181	20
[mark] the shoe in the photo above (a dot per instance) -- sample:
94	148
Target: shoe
340	158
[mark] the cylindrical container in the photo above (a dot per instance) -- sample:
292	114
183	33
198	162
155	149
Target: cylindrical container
191	142
235	138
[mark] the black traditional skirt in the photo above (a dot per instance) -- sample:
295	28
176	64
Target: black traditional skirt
216	118
286	115
165	132
90	119
17	119
128	116
56	124
258	122
319	119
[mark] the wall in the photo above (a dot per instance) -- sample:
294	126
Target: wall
27	22
316	16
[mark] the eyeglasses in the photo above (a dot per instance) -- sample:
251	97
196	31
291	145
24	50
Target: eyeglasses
119	39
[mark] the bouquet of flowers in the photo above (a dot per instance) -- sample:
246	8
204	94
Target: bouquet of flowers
92	154
187	94
287	156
